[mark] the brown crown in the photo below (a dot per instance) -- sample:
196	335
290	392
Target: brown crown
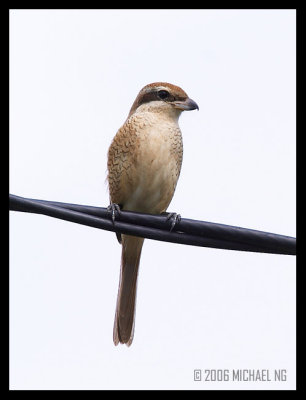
148	93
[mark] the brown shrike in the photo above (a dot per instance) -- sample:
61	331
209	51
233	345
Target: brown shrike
144	163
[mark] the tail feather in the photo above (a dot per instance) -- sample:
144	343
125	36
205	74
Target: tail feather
125	308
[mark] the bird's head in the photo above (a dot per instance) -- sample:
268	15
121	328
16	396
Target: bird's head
162	97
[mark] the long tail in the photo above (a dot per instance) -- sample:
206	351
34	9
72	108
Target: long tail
125	309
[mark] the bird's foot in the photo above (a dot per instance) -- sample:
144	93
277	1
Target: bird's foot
174	218
113	208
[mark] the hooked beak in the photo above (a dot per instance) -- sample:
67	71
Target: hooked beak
186	105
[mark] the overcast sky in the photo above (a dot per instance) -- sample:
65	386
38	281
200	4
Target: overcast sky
73	77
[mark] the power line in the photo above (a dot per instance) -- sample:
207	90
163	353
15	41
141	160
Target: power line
157	227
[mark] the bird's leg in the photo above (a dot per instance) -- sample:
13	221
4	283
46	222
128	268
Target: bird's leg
174	217
112	208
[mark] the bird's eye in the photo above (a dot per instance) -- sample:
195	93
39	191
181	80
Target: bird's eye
163	94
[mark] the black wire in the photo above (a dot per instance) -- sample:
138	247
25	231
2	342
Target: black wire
193	227
157	227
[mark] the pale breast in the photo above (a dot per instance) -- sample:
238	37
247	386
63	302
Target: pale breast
150	165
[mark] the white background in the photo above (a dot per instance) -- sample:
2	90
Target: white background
73	77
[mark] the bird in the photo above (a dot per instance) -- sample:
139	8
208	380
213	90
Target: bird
144	162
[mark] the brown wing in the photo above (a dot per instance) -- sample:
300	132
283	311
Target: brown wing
122	159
